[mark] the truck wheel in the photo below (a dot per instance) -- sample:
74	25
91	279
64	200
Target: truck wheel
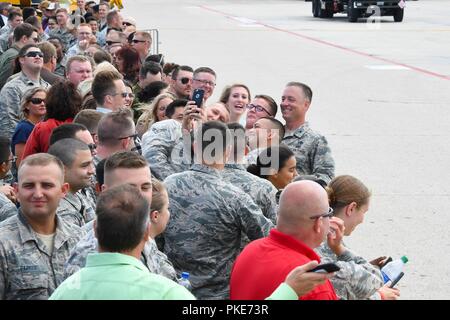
398	15
325	13
352	13
315	7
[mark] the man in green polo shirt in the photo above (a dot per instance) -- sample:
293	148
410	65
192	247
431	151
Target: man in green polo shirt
122	228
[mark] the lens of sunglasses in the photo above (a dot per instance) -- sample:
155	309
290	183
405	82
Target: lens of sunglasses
36	100
184	80
33	54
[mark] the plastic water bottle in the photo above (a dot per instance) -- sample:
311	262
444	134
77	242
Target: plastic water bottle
184	281
393	269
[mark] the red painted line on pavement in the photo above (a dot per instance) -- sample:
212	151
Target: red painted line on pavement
430	73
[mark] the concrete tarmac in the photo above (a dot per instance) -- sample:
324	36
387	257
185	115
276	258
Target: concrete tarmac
381	93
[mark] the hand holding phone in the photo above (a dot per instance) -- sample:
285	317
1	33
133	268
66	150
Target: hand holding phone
197	96
326	268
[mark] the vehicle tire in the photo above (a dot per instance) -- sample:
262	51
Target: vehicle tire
325	13
398	15
352	13
315	7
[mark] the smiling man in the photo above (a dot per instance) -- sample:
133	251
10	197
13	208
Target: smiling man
204	78
79	169
311	149
35	243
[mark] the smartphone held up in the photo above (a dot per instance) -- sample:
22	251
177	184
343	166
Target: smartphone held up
197	96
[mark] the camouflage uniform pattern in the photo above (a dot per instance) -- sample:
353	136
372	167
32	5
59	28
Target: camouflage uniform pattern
260	190
312	153
89	195
76	209
203	236
7	64
158	145
151	257
28	271
358	279
10	97
67	38
7	208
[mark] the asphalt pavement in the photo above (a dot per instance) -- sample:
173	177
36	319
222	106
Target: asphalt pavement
381	97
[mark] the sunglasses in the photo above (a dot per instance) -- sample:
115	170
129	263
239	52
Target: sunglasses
36	100
137	41
127	24
137	142
111	42
92	146
34	54
13	159
185	80
124	95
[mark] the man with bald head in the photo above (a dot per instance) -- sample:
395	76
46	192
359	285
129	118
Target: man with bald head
304	221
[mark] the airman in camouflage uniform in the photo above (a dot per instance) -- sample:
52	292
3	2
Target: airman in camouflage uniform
7	208
312	153
203	236
159	145
260	190
311	149
357	279
151	257
76	209
10	98
28	269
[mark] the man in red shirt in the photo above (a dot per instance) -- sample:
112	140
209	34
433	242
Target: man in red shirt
304	221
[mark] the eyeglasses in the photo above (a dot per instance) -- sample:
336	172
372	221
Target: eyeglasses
137	142
109	43
13	159
184	80
37	100
124	94
137	41
127	24
257	108
329	214
34	54
206	82
92	146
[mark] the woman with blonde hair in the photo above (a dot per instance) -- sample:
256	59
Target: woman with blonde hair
357	279
154	112
33	111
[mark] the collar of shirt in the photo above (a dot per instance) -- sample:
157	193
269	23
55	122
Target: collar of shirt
293	244
113	258
297	132
103	110
205	169
26	233
23	77
235	166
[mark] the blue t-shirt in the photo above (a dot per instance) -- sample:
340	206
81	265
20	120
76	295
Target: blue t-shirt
21	134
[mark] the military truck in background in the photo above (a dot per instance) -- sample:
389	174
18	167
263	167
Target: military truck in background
358	8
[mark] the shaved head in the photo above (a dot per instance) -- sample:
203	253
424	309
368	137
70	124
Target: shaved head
300	201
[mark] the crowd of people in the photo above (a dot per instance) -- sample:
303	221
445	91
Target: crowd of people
114	181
